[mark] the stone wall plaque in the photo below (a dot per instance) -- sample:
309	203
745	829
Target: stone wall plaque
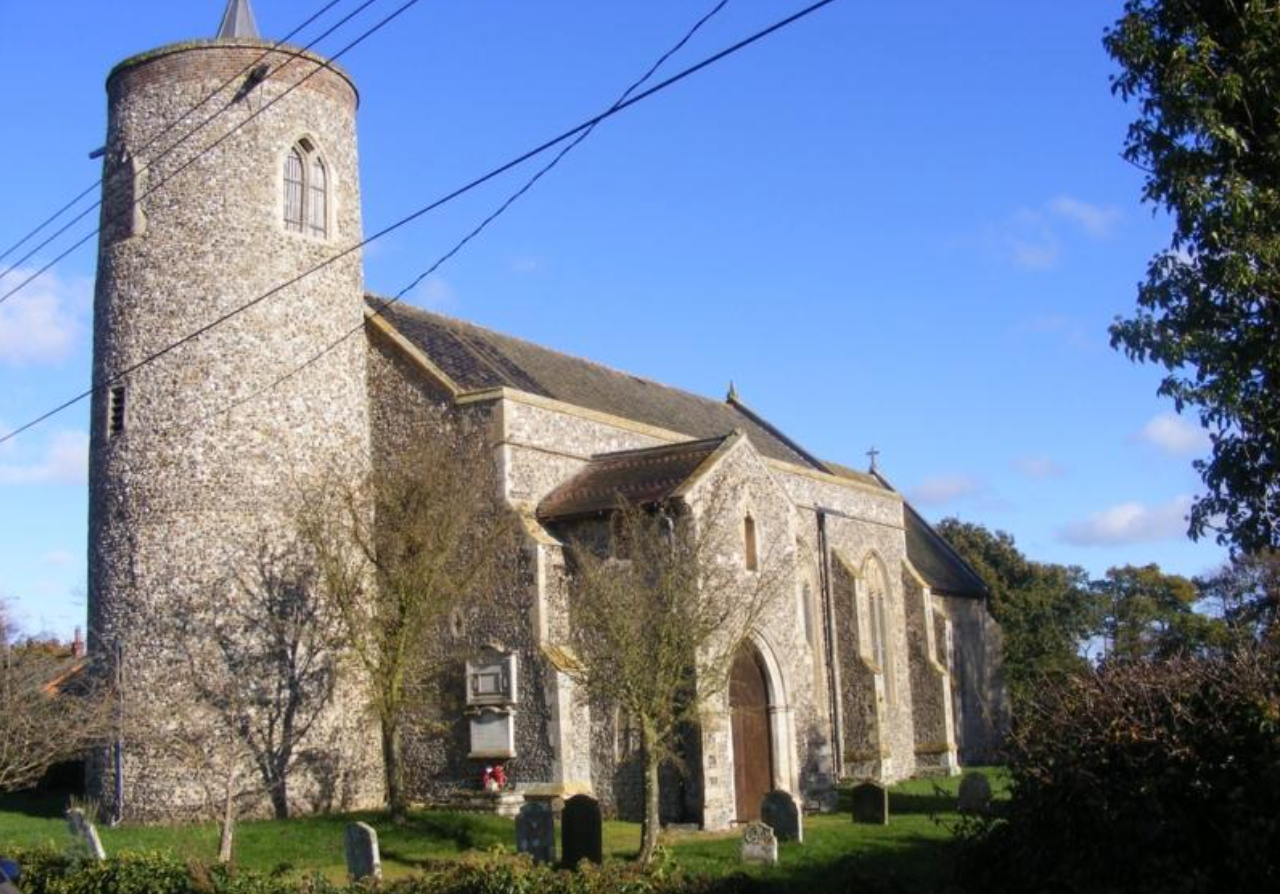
871	804
536	831
779	811
364	860
759	844
581	831
491	679
493	735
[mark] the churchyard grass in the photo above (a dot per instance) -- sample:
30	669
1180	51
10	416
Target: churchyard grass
912	853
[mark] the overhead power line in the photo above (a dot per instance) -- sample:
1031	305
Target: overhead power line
569	134
169	127
324	65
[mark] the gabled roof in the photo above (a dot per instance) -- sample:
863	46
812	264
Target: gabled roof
477	359
938	563
639	477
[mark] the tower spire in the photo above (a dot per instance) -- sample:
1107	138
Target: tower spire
238	21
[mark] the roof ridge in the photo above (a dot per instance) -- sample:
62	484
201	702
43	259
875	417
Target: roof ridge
467	324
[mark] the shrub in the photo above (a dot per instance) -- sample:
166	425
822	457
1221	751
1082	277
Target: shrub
1161	776
46	871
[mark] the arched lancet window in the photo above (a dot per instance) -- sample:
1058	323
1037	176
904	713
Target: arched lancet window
316	199
293	191
750	556
306	191
877	594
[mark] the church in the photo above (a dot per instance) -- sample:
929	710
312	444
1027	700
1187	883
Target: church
882	661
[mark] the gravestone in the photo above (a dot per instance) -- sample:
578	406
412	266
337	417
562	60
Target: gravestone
581	831
975	793
83	830
871	803
759	844
536	831
364	860
780	813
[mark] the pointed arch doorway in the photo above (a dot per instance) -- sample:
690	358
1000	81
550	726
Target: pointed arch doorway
752	746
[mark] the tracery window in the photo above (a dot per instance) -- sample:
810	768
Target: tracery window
881	655
306	191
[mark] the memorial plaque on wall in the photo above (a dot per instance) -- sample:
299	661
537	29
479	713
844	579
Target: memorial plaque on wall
493	735
491	679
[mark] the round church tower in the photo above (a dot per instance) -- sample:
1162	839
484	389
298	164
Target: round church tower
197	458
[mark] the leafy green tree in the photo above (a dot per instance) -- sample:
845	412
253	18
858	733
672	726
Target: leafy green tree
1206	78
1148	614
1246	594
1046	612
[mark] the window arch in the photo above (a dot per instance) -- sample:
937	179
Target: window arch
876	587
306	191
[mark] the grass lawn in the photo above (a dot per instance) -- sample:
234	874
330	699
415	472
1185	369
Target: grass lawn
912	853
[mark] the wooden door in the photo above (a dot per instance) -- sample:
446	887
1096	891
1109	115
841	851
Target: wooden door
752	756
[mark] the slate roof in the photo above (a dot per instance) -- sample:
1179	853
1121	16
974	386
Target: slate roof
477	359
644	477
941	566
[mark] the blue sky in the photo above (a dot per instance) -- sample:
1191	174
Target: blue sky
899	225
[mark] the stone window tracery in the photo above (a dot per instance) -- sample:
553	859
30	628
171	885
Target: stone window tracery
880	653
306	191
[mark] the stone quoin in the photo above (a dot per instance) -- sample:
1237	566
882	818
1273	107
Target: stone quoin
882	661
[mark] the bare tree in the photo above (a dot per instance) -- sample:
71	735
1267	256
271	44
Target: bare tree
399	550
658	611
53	708
257	657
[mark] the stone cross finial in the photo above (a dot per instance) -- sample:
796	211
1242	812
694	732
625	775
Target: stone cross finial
733	392
237	21
874	454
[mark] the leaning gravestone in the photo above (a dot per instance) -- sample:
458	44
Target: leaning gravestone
975	793
83	830
364	860
871	804
780	813
759	844
581	831
536	831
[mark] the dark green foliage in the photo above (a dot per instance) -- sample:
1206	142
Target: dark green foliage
1045	611
1245	592
1141	777
1206	77
1146	613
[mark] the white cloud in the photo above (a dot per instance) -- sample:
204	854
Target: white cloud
942	489
1098	221
43	322
65	461
1038	467
1129	523
1029	241
58	558
1174	435
434	292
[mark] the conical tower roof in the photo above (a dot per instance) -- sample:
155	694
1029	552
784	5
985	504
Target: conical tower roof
238	21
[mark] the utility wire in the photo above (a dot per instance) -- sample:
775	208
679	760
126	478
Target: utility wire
322	66
168	127
425	209
384	304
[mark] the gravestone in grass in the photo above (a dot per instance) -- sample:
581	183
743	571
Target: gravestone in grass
85	833
759	844
536	831
780	813
364	860
870	803
975	793
581	831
